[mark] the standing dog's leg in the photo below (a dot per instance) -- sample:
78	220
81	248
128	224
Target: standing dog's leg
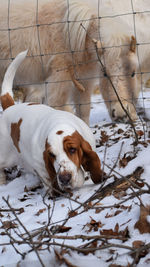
82	101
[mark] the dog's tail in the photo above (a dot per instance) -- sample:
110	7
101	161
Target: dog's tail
7	93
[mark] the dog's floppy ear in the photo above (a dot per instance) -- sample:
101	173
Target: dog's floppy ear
91	162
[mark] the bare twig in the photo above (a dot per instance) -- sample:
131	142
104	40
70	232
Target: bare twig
25	229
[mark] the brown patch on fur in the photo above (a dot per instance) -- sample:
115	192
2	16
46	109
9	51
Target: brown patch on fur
6	101
59	132
30	104
15	133
49	161
142	224
49	165
81	153
73	149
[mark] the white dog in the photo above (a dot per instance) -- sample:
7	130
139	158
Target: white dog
62	64
56	145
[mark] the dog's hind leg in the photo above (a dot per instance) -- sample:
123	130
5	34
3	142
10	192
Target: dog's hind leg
8	155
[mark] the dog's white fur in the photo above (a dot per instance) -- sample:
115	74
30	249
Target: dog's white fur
56	145
68	74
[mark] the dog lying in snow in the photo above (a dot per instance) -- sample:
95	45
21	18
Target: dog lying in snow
56	145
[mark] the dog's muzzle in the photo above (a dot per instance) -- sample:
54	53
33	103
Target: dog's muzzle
65	179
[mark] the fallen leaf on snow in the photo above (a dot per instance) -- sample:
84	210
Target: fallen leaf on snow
60	229
103	138
140	133
113	214
9	225
123	233
137	243
142	224
72	213
40	212
124	161
137	255
94	225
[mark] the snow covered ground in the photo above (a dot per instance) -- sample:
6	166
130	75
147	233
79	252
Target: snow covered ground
114	224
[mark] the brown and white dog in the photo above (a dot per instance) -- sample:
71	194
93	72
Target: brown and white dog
56	145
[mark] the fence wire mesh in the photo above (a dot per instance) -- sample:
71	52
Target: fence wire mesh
19	30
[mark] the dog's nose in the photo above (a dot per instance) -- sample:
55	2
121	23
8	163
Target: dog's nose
65	178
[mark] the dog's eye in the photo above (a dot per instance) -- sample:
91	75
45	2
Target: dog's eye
72	150
52	155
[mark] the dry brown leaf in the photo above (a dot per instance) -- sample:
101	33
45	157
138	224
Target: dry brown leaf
21	210
117	227
97	210
9	225
140	184
120	131
125	207
117	212
24	198
104	137
63	229
142	224
137	243
93	225
26	189
90	204
87	206
113	214
40	211
59	229
72	213
143	143
124	233
124	161
109	259
108	232
140	133
109	215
